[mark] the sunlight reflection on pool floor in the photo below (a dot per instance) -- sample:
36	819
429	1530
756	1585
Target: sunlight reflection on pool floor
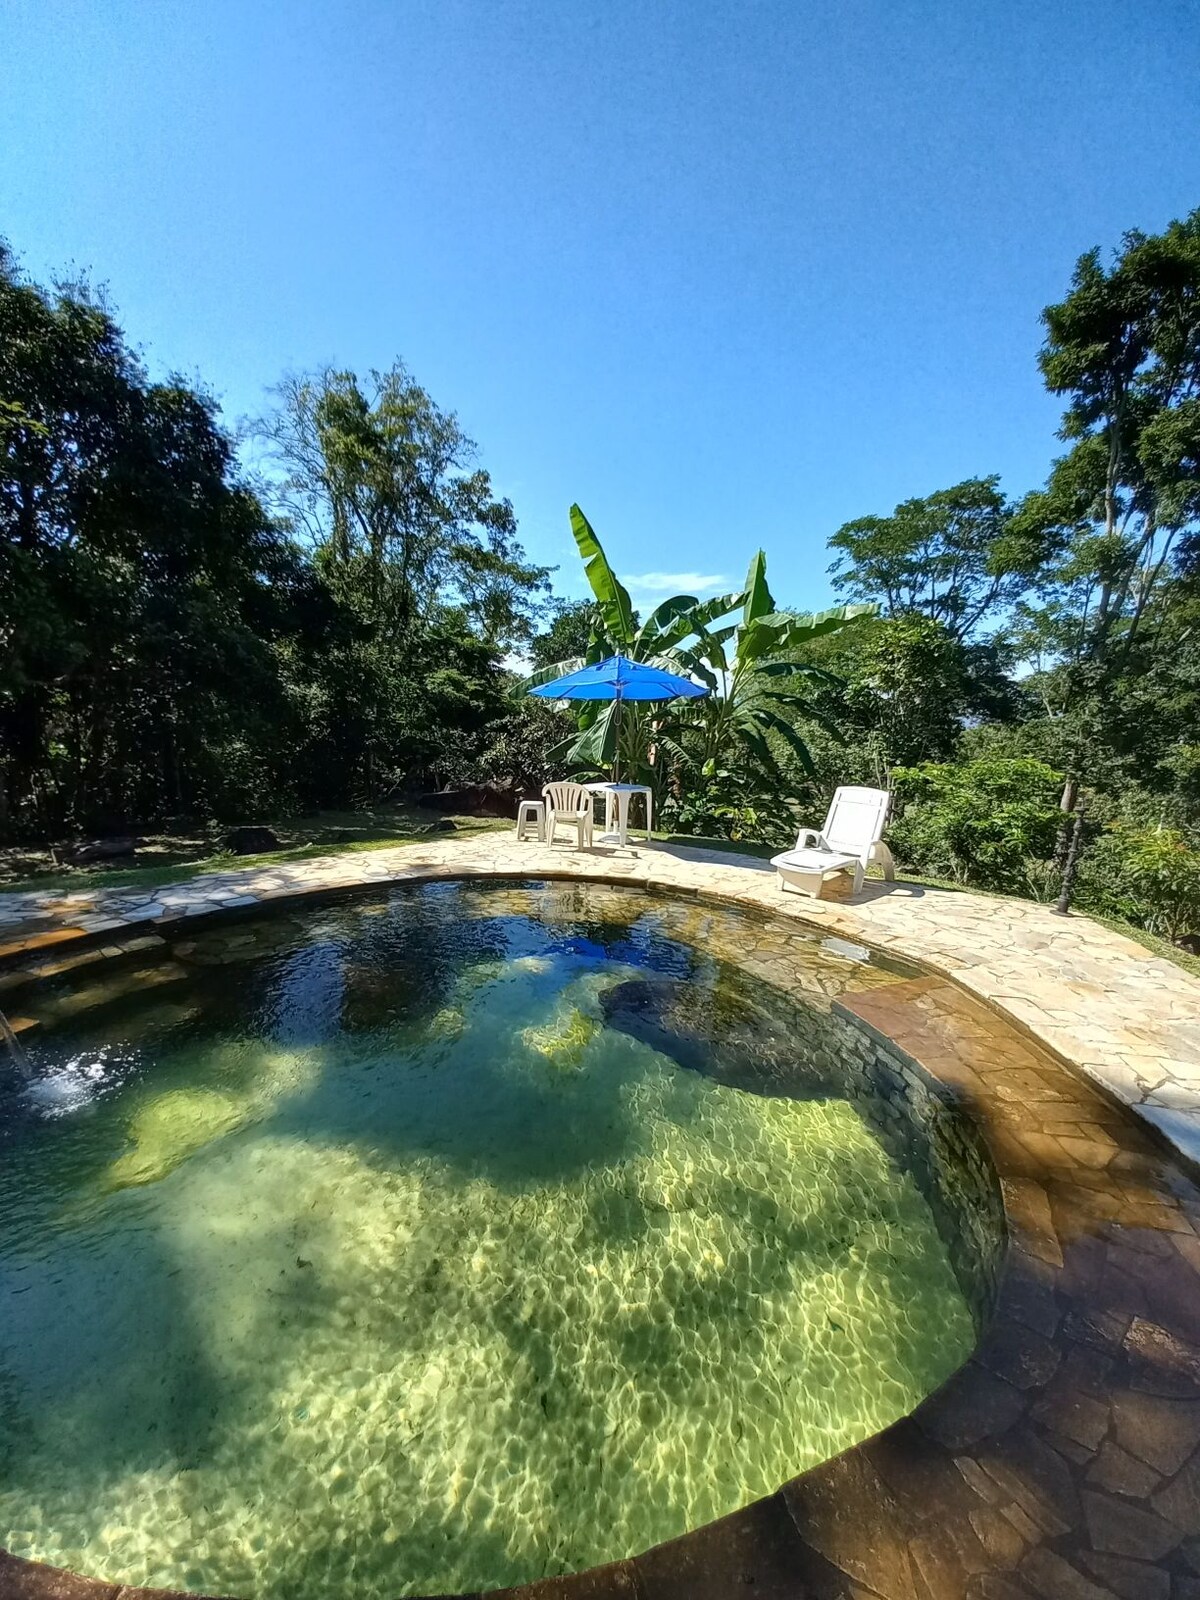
395	1268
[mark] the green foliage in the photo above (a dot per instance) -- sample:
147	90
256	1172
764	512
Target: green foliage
981	822
739	805
1148	876
955	557
168	648
138	614
568	626
899	691
384	482
745	739
518	748
1041	738
1124	348
616	609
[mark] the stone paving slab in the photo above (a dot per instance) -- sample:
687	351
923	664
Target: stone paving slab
1126	1019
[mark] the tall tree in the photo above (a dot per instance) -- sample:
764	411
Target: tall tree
137	668
1124	348
567	627
954	557
385	482
421	561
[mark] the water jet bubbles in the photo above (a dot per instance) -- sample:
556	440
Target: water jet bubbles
77	1081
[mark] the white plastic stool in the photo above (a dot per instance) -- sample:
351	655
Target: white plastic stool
532	811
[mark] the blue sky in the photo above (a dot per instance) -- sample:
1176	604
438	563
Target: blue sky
728	274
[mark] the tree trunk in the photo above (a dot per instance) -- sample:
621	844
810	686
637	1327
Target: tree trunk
1071	867
1067	806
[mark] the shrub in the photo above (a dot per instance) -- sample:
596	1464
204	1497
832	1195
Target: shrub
521	746
1148	876
741	807
714	819
987	822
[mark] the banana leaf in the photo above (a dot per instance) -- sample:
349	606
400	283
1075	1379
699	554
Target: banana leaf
596	745
558	669
816	624
773	723
611	596
758	602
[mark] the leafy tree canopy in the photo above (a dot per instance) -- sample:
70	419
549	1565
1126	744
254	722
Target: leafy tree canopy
567	631
955	557
386	483
169	648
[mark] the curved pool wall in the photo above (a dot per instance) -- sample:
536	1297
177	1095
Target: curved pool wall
1062	1458
921	1122
924	1128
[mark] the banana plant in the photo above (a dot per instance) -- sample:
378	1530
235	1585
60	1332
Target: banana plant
617	630
756	681
754	685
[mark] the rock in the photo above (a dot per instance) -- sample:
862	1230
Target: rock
723	1038
447	1024
563	1040
251	841
1159	1431
1118	1528
100	850
479	800
170	1129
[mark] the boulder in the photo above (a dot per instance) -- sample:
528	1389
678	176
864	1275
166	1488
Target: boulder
251	841
717	1033
477	800
80	855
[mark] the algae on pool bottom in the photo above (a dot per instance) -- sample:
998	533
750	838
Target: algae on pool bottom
413	1309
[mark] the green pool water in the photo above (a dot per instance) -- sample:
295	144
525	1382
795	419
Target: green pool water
439	1243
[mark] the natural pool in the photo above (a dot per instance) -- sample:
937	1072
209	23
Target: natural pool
450	1239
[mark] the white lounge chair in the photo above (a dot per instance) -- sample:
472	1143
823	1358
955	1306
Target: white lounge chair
570	804
851	839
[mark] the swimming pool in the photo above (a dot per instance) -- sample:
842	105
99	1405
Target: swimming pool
457	1236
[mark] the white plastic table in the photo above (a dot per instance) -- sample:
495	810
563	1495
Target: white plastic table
620	794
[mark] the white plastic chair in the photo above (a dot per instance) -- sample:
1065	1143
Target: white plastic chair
570	804
851	839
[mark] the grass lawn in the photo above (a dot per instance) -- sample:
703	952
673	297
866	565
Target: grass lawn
173	858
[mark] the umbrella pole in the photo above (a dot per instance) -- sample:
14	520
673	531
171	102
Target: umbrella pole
617	750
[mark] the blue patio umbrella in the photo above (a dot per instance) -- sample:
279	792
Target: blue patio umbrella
620	679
